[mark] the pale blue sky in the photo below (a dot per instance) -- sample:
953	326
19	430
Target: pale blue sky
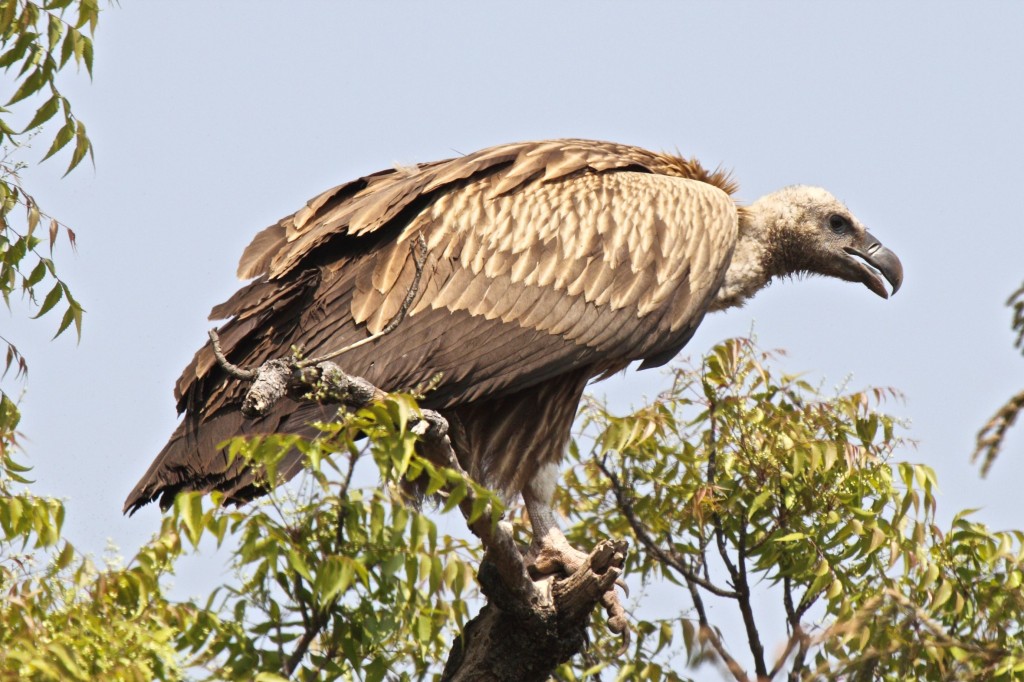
213	120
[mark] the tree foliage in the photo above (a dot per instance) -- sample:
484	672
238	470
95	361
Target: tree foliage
61	617
993	433
740	488
37	41
335	580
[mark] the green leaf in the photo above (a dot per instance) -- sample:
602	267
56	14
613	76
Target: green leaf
69	317
333	577
942	594
67	47
43	113
87	56
189	507
82	147
53	32
296	562
759	501
65	557
18	50
56	293
423	628
61	139
37	274
31	85
878	537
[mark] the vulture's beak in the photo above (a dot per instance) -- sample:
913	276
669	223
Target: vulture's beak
881	260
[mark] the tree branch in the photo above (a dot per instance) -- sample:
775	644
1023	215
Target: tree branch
707	632
528	627
990	438
747	611
313	625
672	559
738	571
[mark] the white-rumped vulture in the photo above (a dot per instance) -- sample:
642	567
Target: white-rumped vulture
548	264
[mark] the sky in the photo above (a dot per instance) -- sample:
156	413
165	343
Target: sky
211	121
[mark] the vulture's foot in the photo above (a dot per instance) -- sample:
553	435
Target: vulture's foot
552	555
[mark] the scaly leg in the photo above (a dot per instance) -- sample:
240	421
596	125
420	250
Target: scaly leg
550	552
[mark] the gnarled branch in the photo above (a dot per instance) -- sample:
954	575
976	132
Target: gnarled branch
528	627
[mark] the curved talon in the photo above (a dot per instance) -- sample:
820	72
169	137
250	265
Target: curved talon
617	620
552	554
626	641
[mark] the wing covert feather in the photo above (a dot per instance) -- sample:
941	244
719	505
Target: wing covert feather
663	245
366	205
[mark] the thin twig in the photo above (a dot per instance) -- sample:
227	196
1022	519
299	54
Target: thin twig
671	559
737	571
747	611
232	369
712	475
419	250
795	639
312	626
709	633
302	646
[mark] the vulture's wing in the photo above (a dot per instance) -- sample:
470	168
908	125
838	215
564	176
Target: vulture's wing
544	259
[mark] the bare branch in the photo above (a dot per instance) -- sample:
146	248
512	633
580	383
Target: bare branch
309	633
708	633
737	571
313	624
746	609
670	558
232	370
712	474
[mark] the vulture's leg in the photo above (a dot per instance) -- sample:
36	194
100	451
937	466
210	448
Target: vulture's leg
549	551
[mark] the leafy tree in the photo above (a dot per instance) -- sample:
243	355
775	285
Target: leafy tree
37	42
60	616
736	486
335	580
736	479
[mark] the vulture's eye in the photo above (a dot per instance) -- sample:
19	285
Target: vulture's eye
839	223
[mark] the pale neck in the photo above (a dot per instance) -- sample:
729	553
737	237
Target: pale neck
749	269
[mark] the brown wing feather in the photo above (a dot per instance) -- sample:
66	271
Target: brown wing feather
542	264
355	208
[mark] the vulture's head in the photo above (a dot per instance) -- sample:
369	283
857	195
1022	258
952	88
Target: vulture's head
805	230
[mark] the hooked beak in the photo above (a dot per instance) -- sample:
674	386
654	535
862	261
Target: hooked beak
881	260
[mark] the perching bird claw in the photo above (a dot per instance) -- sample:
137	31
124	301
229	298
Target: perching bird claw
552	554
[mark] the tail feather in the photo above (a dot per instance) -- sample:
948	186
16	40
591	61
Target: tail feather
192	460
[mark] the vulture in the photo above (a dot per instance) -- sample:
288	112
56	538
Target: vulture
546	265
